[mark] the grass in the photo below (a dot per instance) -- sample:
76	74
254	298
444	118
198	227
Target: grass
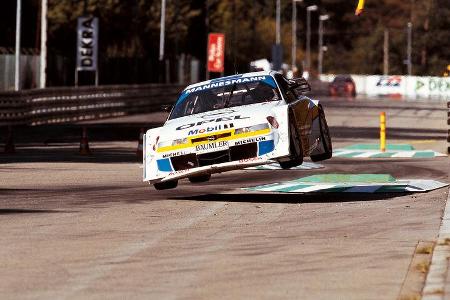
425	250
411	297
423	267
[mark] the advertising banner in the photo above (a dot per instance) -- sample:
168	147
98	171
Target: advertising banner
87	44
216	52
409	87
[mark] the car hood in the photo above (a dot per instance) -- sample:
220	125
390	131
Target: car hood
217	120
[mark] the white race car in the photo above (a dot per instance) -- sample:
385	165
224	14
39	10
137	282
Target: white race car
232	123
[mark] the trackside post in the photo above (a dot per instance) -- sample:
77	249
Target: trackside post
383	131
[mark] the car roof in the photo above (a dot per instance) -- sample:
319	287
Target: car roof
243	75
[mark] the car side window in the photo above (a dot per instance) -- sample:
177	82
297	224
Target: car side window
288	93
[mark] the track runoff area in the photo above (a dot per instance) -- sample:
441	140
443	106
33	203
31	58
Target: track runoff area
362	225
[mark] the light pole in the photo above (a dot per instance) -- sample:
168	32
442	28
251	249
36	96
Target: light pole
162	30
278	23
43	58
409	49
309	9
320	58
294	34
386	52
17	54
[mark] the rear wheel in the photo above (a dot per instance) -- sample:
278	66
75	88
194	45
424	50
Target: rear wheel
166	185
295	148
325	138
201	178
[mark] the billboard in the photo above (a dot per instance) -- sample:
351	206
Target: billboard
87	43
216	52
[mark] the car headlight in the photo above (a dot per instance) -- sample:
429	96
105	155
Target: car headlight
251	128
172	143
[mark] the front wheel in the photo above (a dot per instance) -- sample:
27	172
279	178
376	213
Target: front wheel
325	138
295	148
166	185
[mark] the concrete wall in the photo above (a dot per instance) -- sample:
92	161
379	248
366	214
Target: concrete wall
403	86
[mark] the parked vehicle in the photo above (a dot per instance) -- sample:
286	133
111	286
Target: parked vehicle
342	85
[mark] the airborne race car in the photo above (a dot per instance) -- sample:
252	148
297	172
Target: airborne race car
235	122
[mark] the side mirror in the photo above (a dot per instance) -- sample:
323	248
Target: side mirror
300	85
166	107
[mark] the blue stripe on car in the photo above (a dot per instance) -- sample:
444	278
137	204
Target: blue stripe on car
265	147
269	80
164	165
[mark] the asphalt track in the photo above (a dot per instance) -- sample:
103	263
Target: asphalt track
87	227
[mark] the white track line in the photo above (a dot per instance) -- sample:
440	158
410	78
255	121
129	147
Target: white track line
404	154
434	288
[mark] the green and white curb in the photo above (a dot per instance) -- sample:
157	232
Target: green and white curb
354	183
392	151
276	166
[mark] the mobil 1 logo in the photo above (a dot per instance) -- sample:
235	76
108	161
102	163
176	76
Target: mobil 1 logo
87	43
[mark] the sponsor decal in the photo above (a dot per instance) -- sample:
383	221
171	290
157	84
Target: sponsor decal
87	44
250	140
210	129
248	160
225	83
389	81
179	172
173	154
190	125
211	147
433	85
214	114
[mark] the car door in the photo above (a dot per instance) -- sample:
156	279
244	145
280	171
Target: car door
303	112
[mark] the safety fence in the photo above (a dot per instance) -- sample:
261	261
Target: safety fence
66	105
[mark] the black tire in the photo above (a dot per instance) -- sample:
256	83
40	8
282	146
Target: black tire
166	185
325	137
295	148
199	179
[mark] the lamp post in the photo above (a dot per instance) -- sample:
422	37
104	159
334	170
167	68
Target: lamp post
17	54
294	34
309	9
409	49
43	58
278	23
162	30
320	58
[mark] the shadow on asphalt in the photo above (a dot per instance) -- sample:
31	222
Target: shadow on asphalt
70	154
292	198
71	133
14	211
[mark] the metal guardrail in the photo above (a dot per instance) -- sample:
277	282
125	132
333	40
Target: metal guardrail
66	105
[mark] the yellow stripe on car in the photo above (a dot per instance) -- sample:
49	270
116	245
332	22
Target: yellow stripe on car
229	138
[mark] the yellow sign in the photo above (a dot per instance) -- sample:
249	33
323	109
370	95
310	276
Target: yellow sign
359	8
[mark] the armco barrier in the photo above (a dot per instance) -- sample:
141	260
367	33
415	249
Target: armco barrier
65	105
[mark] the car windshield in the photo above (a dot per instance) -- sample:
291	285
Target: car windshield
340	79
222	93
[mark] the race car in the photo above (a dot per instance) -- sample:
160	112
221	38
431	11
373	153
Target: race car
232	123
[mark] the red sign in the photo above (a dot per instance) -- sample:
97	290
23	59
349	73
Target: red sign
216	52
